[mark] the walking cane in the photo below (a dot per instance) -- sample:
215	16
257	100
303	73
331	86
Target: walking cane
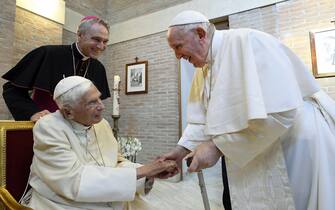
201	184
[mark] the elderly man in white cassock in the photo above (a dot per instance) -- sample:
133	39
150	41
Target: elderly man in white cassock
254	102
76	164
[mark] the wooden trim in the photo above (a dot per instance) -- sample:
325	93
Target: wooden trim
9	202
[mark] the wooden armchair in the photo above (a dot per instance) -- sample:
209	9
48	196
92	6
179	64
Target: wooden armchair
16	152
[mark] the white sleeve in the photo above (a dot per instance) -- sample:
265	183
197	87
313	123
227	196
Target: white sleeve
193	135
110	184
140	183
243	146
105	184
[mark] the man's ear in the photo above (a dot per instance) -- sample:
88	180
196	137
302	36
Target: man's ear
201	32
67	112
79	35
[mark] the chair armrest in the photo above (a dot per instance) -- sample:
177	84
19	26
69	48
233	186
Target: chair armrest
9	202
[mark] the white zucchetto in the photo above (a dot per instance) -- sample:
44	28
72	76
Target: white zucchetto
188	17
67	84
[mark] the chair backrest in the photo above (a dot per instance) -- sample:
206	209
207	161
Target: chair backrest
16	152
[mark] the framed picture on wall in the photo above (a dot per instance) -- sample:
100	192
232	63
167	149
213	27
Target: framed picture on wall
323	52
137	77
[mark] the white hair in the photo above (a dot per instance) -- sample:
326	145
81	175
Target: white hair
191	27
209	28
72	97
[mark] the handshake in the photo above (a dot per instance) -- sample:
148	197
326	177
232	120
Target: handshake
158	168
164	166
204	155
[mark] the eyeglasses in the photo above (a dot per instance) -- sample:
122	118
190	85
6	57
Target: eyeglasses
94	104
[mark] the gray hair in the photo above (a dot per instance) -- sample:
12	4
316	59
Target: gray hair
72	97
86	24
191	27
208	27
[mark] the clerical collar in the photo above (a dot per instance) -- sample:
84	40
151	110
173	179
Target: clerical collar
83	57
79	127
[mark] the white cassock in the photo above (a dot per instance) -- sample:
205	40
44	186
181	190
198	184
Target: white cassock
271	121
76	167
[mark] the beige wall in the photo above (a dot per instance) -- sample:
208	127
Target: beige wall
32	31
7	18
68	37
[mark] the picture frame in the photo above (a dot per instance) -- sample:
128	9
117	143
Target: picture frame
137	77
323	52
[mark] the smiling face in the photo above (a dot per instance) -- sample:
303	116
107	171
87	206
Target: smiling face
93	41
89	109
191	45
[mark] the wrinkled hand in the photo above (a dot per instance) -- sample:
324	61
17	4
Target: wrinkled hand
177	154
156	167
38	115
204	156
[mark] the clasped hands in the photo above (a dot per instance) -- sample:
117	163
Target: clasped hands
204	155
156	167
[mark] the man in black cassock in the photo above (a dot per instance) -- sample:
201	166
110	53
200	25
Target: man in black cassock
42	68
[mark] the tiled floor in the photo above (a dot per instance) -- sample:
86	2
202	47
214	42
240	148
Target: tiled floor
186	195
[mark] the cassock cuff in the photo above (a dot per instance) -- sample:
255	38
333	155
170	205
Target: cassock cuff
106	184
188	144
140	185
193	135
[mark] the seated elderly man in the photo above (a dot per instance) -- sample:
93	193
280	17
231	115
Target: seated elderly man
76	164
